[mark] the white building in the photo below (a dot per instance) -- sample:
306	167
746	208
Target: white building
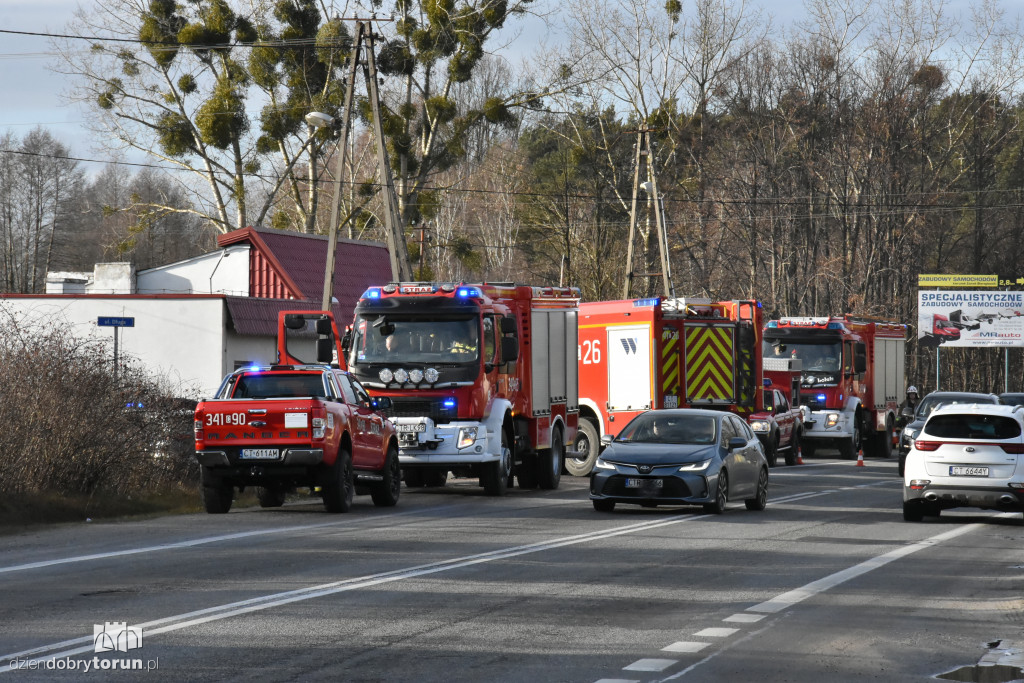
197	320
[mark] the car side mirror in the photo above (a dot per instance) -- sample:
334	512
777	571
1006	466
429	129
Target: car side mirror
509	349
324	350
381	403
737	442
606	439
907	412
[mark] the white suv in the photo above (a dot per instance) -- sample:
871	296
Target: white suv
967	455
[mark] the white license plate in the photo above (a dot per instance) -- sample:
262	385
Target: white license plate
260	454
418	427
955	471
644	483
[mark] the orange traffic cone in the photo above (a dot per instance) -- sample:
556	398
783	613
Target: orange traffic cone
860	458
799	455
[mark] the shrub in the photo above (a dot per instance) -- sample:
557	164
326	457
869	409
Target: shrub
71	425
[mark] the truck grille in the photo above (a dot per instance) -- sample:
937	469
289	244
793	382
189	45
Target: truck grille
416	407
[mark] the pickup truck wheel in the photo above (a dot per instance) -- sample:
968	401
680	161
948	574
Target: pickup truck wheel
587	445
270	497
549	462
794	449
340	488
771	450
217	495
496	475
760	499
385	493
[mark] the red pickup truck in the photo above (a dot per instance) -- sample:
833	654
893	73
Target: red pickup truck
779	426
286	426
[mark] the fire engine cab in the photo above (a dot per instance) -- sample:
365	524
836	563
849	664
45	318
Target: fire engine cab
852	378
482	378
636	355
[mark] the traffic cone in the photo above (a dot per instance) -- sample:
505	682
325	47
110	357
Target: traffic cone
799	455
860	458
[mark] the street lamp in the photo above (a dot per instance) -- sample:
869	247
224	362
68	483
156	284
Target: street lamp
317	119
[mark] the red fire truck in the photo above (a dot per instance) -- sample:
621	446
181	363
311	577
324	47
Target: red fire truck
482	378
636	355
852	379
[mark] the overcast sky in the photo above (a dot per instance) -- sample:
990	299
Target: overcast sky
31	92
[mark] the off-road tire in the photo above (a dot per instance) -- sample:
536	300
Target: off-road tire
270	496
217	495
549	462
496	475
794	449
340	488
385	493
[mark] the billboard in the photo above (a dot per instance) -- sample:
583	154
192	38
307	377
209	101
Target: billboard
966	318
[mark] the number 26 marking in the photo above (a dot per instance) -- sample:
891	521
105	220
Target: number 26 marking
591	352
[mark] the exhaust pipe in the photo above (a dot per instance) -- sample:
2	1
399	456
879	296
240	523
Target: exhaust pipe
1007	499
931	496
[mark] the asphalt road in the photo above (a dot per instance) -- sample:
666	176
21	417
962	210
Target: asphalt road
828	584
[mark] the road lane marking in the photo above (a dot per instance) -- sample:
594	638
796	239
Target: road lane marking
685	646
790	598
745	618
716	632
650	665
77	646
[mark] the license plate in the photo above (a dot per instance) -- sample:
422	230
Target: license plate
644	483
418	427
260	454
968	471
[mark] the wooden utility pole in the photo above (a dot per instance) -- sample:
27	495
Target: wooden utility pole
643	151
401	268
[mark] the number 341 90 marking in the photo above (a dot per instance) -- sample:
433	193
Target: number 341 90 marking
221	419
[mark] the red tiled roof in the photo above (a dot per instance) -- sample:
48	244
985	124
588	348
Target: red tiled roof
251	316
296	264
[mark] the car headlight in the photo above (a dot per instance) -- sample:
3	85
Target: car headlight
467	437
909	431
695	466
602	465
760	426
832	419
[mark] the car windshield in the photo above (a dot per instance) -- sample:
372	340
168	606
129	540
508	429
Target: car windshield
1012	399
972	426
657	428
930	403
386	339
276	385
816	357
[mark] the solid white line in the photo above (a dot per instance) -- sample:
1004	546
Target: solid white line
790	598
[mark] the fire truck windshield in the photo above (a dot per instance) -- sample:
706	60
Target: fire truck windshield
815	357
387	339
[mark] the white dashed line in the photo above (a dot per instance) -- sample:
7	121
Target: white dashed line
685	646
716	632
745	618
650	665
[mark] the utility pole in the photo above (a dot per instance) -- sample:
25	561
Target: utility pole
401	269
643	150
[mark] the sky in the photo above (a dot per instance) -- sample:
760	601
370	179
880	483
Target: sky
32	92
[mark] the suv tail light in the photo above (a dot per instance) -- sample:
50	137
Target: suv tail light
927	445
1014	448
319	423
198	429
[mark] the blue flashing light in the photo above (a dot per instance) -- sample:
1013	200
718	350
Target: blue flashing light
449	403
767	382
820	398
467	292
372	293
759	304
642	303
834	326
253	368
773	323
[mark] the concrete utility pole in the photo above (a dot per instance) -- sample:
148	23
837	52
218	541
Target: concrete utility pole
401	269
643	150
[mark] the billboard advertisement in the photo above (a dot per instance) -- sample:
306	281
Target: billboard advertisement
969	318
